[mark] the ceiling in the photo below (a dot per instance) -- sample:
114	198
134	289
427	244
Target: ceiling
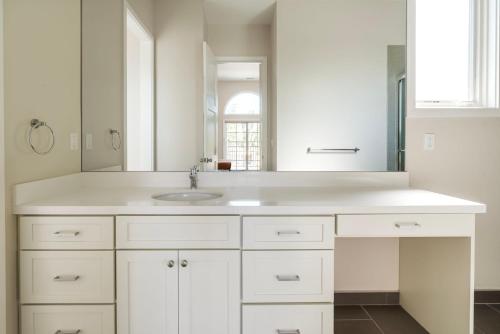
238	71
239	11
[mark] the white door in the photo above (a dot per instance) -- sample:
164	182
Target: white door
210	109
147	292
209	292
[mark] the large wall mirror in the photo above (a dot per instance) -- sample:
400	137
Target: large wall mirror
243	85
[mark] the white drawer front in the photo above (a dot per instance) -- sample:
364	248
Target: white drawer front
91	319
287	276
171	232
288	232
406	225
288	319
66	232
67	277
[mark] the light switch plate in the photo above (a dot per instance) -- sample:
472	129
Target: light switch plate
429	142
73	141
89	141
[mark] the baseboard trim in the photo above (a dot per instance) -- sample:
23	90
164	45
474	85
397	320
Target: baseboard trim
392	298
366	298
487	296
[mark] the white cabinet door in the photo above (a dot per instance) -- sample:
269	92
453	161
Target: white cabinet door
209	292
147	292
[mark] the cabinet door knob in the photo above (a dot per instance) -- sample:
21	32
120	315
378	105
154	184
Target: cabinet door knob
184	263
171	263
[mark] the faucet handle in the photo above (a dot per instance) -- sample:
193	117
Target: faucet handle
194	170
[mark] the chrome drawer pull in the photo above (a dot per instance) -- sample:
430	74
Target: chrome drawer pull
66	233
407	226
288	331
288	278
66	278
68	331
288	232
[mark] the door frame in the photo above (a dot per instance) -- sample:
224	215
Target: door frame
127	8
264	101
3	274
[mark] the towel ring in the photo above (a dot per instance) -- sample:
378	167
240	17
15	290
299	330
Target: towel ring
36	124
116	139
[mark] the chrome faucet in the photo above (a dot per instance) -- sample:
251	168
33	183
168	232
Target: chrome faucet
193	177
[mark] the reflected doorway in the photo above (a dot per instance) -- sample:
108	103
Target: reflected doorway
139	123
242	87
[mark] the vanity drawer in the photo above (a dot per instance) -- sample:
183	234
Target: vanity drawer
288	319
288	232
47	319
66	232
405	225
171	232
62	277
287	276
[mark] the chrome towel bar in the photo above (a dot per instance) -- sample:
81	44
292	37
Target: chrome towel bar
332	150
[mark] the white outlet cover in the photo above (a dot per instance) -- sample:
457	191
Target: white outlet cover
429	142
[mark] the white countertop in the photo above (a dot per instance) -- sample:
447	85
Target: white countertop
250	201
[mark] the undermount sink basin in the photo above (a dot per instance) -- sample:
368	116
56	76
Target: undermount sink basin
188	196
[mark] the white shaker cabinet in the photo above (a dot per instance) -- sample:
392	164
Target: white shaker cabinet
181	292
147	292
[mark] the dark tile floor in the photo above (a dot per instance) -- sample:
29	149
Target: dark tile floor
394	320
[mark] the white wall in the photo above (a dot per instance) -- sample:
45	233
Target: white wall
465	163
179	29
332	79
46	86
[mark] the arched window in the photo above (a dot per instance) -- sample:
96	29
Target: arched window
242	132
243	104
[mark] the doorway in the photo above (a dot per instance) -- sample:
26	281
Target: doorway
139	120
242	96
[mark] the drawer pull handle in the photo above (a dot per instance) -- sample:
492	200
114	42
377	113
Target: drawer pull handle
66	233
68	331
288	278
66	278
407	226
288	232
288	331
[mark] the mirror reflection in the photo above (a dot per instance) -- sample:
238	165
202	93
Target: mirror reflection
240	85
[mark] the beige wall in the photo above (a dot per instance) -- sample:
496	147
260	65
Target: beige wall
3	310
179	28
239	40
46	86
103	80
465	163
